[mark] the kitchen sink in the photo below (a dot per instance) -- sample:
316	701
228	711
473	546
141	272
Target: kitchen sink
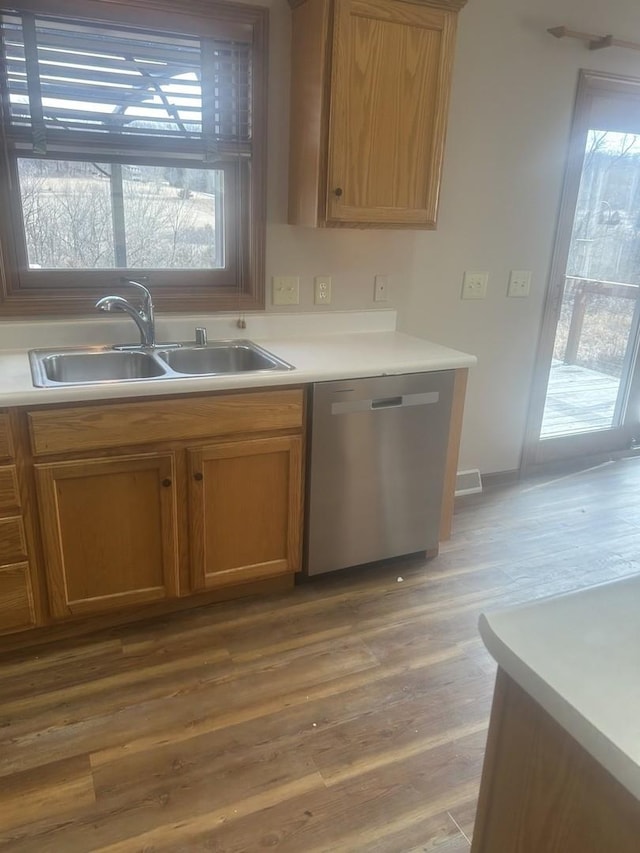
101	364
227	357
77	367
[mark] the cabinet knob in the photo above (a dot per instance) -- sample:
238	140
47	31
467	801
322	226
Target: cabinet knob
338	191
166	482
198	476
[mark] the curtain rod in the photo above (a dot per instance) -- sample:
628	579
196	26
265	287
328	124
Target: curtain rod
595	42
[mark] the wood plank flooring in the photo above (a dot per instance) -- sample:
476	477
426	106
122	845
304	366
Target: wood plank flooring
347	715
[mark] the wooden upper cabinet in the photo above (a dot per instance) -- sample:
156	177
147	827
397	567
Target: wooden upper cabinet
369	103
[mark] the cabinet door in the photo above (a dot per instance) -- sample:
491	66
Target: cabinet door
109	531
245	510
389	101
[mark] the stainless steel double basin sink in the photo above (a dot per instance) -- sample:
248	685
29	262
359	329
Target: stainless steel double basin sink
90	365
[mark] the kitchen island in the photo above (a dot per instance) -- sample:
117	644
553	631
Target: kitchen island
562	766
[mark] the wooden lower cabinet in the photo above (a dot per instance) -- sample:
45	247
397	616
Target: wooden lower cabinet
245	506
16	599
110	507
9	492
109	530
110	526
17	608
13	545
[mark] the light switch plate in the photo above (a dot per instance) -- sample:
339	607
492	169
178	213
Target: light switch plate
285	290
519	283
474	285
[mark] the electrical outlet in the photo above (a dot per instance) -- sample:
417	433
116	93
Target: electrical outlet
322	289
519	283
381	288
285	290
474	285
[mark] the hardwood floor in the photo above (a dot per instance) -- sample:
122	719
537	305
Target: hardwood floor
348	715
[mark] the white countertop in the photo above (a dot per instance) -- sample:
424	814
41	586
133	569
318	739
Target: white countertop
321	348
578	656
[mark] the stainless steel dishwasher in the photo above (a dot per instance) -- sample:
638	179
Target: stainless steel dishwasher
376	471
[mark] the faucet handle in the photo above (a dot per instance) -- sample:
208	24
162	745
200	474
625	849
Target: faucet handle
143	290
201	336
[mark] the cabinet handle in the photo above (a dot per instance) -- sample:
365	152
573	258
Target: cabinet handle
166	482
338	191
198	476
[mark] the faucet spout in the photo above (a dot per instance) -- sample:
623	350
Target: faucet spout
143	317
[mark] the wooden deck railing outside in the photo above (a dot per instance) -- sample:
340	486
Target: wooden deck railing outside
586	288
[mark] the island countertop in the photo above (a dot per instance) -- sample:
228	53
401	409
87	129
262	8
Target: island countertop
578	656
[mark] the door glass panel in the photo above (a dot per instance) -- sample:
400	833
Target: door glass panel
596	336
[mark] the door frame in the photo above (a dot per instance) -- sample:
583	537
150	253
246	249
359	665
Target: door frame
535	451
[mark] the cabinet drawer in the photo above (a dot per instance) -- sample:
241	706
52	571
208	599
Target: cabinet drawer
13	546
9	496
127	424
16	601
6	445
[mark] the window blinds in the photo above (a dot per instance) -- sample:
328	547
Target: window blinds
69	83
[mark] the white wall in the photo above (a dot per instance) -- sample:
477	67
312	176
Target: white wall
513	93
512	99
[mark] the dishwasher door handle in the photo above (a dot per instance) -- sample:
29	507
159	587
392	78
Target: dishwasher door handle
381	403
387	403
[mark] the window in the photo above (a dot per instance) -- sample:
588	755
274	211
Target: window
133	145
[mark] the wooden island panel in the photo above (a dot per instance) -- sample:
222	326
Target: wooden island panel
542	792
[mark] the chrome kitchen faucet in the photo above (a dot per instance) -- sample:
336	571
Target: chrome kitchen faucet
142	317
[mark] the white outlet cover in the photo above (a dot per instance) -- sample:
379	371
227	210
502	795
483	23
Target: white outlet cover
322	290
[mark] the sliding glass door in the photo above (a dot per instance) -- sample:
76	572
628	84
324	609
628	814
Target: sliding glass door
586	394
